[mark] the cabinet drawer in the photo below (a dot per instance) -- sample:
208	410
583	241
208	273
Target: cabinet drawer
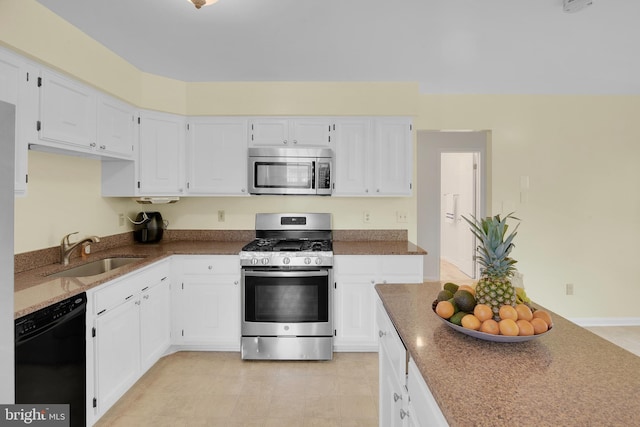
391	343
358	265
206	265
120	290
402	268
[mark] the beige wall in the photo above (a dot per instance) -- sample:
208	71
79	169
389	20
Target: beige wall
580	214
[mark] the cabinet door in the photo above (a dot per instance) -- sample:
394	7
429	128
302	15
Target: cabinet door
392	396
310	131
67	112
161	154
269	131
394	157
18	86
217	157
117	352
155	323
352	157
423	408
211	312
116	131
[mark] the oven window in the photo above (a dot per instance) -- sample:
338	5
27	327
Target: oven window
283	175
286	299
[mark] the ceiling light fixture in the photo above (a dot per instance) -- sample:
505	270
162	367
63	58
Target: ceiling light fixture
199	3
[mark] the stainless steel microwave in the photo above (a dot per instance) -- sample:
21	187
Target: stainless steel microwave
290	170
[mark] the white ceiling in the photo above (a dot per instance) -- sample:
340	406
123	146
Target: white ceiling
448	46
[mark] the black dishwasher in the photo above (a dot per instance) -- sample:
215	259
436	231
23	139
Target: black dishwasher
50	357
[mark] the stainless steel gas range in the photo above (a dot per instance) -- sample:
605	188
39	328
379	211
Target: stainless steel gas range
287	283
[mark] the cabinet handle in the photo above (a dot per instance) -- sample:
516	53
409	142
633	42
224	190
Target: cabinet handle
137	302
396	397
146	297
403	414
381	334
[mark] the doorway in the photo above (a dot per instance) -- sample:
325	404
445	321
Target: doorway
432	204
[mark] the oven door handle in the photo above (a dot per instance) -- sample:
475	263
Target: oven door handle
280	273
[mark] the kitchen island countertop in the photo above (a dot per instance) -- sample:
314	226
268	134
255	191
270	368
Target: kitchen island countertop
569	377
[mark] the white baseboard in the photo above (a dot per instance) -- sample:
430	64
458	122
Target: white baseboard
606	321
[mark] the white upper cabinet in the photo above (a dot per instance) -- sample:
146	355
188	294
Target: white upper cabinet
217	156
353	151
18	86
393	156
161	154
116	127
291	131
373	157
67	113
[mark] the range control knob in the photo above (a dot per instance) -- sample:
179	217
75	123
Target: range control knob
286	260
254	261
265	261
318	261
307	260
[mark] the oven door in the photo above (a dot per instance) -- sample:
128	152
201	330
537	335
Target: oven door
287	303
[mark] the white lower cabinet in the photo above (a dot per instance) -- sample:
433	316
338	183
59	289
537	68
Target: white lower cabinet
404	397
131	331
207	302
354	307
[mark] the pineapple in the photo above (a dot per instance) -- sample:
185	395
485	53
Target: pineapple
494	287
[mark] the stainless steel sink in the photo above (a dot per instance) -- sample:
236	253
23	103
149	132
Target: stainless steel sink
96	267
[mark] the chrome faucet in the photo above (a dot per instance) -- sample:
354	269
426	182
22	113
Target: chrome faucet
66	248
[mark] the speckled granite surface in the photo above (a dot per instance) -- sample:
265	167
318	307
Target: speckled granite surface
569	377
33	290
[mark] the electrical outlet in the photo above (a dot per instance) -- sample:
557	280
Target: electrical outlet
121	219
569	288
366	217
220	216
401	216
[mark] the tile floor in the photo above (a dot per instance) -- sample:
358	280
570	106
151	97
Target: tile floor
219	389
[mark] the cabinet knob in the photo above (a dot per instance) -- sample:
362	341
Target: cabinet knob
137	302
243	190
295	141
146	297
396	397
103	147
93	144
403	414
235	282
377	190
381	334
285	142
210	267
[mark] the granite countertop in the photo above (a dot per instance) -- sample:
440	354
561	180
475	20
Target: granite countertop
33	290
568	377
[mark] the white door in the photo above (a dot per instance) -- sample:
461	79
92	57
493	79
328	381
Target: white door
458	201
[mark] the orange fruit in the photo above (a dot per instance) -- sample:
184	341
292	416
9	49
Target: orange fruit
539	326
470	322
490	326
482	312
525	328
524	312
468	288
541	314
445	309
508	327
508	312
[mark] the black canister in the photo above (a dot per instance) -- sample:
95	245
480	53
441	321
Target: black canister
148	227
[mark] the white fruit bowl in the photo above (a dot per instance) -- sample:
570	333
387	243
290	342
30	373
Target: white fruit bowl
488	337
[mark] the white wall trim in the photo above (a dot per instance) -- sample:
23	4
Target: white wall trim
606	321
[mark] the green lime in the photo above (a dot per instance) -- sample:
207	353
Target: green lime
457	318
444	295
451	287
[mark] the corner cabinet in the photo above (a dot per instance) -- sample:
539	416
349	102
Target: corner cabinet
130	331
404	398
373	157
354	304
206	302
217	156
